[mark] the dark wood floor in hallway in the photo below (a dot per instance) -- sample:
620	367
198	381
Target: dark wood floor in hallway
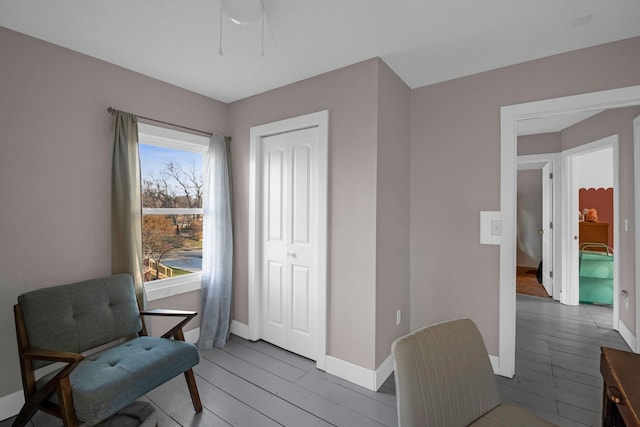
255	384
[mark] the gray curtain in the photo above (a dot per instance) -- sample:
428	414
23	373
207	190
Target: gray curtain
217	252
126	206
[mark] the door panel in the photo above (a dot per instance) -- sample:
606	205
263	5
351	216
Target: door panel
289	205
275	196
301	170
301	300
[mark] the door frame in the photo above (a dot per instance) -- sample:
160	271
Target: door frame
509	116
636	183
538	162
321	121
570	280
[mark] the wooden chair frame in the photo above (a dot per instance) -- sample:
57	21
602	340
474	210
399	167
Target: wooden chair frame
37	399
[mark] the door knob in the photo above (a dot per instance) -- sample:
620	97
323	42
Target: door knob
291	254
541	231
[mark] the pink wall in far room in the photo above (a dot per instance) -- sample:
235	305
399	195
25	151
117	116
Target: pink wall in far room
600	199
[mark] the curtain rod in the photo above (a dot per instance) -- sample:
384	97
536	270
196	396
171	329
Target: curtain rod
111	110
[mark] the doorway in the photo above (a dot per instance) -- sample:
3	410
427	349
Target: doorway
536	236
288	234
509	117
592	241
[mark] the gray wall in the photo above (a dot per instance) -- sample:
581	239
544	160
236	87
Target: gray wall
55	166
55	172
392	231
539	144
529	218
368	200
455	173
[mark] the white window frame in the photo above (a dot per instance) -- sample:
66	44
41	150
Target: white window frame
170	138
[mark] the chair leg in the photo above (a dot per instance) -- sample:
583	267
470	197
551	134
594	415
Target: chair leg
26	413
193	390
67	411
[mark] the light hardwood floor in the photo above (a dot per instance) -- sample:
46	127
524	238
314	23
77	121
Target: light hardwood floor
257	384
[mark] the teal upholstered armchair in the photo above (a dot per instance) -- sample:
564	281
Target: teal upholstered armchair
67	323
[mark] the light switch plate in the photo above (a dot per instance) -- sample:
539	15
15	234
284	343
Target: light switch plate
490	227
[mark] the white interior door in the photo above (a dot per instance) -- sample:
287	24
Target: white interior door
547	227
289	240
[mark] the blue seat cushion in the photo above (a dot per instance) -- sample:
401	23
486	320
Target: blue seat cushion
108	381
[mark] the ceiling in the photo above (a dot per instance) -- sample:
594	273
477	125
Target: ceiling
423	41
553	123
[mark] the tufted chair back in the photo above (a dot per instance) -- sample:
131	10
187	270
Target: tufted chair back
81	316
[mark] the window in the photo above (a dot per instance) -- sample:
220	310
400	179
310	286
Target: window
171	164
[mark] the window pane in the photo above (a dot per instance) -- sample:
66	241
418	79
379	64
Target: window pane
172	245
170	178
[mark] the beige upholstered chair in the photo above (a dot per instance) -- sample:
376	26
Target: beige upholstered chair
444	378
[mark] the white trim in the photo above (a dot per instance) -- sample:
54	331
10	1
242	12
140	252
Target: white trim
367	378
171	138
173	211
627	335
570	282
166	288
11	404
192	335
509	115
536	161
634	221
240	329
321	121
381	374
495	364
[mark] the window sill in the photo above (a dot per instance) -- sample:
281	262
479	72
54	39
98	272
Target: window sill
165	288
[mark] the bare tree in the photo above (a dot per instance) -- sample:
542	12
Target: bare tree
159	238
157	192
188	181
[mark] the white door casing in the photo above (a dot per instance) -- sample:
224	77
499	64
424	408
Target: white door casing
634	221
570	255
287	276
547	228
509	117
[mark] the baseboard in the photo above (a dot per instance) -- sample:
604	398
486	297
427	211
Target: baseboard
627	335
363	377
237	328
382	373
192	335
240	329
11	404
495	364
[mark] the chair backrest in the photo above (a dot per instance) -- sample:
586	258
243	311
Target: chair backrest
443	376
81	316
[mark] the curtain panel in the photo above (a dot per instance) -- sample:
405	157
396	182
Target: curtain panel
217	252
126	205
